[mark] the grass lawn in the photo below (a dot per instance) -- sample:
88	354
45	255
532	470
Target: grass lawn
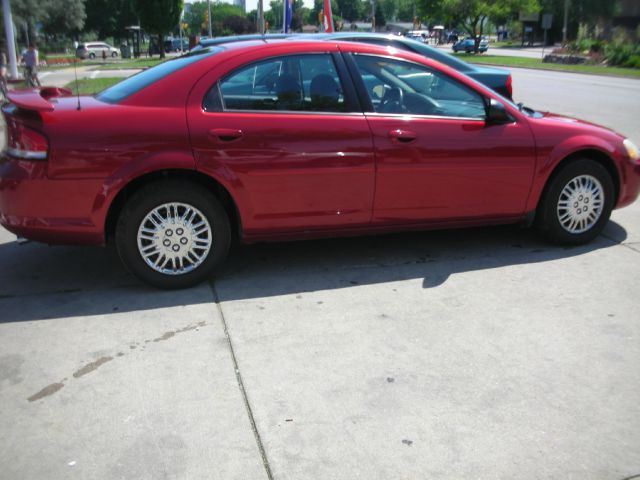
124	64
537	63
89	86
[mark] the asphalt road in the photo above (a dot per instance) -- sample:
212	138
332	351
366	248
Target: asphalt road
509	52
478	353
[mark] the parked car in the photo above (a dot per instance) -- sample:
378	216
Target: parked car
205	42
175	45
496	78
468	45
295	139
96	49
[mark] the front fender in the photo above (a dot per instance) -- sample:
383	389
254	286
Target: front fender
550	157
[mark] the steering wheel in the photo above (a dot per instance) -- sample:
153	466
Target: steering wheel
393	101
419	104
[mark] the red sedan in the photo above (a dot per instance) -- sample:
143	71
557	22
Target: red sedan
295	139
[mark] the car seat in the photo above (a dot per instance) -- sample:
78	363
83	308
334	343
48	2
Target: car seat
325	93
289	93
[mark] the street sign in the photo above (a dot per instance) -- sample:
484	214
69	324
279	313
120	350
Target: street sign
547	19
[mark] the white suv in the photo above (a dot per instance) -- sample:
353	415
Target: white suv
95	49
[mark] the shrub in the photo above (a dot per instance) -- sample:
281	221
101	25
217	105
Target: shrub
621	53
633	62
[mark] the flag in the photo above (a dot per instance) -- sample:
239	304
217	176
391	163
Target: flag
287	14
327	21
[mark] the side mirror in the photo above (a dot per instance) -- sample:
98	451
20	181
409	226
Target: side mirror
496	113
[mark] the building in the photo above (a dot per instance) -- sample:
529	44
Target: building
628	14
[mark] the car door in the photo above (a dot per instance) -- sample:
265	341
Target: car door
437	158
288	136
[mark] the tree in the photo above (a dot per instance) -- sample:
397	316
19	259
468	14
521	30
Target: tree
406	10
195	17
63	16
238	24
381	20
57	17
389	8
159	17
109	18
352	10
472	15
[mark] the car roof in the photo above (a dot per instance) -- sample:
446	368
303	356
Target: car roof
418	47
180	82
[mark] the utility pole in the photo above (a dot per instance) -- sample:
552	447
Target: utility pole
260	17
11	43
566	19
209	10
373	15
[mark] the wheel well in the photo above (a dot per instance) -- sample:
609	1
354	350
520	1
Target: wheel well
188	175
595	155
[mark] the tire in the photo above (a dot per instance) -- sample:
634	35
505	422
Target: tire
201	246
92	55
114	54
576	203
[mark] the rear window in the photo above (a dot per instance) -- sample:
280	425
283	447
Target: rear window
137	82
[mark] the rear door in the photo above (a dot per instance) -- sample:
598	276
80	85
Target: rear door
288	137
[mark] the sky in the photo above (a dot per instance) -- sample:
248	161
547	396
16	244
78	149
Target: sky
253	4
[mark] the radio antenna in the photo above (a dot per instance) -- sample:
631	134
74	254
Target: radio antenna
75	71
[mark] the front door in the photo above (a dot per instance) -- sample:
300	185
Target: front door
437	158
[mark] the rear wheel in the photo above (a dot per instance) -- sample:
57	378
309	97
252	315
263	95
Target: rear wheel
577	203
114	54
92	55
173	234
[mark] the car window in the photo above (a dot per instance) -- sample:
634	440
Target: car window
396	86
308	83
137	82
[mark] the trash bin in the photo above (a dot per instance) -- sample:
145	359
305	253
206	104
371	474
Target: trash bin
125	51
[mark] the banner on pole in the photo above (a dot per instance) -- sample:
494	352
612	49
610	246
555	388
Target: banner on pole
287	15
327	21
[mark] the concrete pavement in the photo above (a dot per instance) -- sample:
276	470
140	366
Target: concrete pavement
477	353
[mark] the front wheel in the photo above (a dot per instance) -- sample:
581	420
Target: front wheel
577	203
92	55
114	54
173	234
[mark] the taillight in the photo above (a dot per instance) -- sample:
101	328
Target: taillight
508	85
25	143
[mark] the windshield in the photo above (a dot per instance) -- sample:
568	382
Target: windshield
137	82
439	56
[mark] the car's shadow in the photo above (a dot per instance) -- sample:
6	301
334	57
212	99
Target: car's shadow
38	282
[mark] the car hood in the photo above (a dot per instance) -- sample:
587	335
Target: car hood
563	119
553	122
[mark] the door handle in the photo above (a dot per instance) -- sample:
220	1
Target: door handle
399	135
225	134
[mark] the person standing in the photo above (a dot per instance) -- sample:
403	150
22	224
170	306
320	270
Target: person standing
30	60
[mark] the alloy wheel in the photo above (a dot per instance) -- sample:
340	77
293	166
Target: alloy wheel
580	204
174	238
